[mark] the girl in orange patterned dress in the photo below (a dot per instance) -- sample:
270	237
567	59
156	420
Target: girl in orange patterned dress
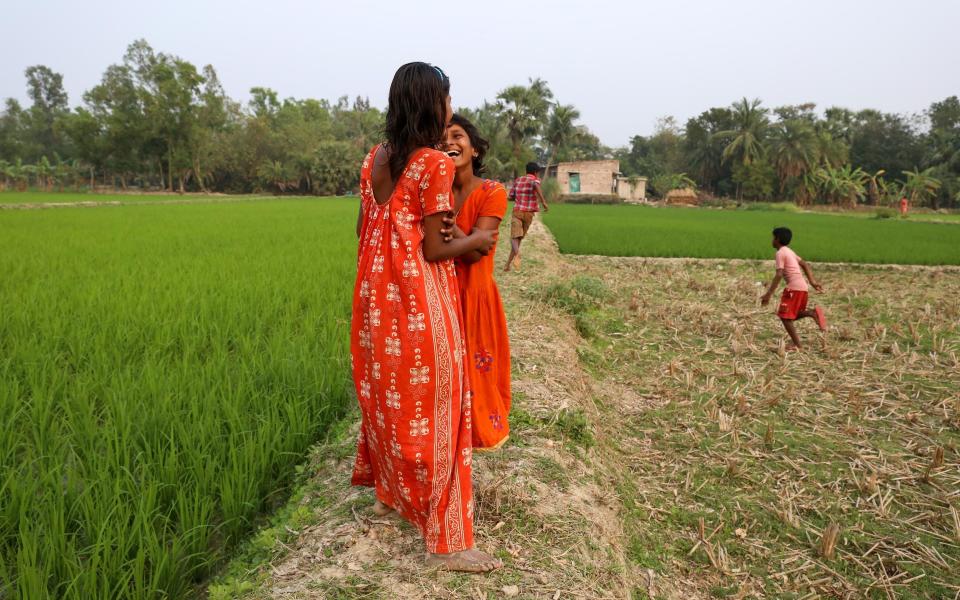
406	341
480	204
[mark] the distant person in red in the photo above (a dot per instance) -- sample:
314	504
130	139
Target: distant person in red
793	302
527	197
904	205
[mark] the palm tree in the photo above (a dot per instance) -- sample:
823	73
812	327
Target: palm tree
524	109
831	151
794	150
706	158
276	174
921	185
560	128
805	188
746	138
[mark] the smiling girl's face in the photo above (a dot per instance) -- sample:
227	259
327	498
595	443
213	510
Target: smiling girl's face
458	146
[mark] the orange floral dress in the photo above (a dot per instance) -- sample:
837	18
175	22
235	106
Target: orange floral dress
407	352
485	325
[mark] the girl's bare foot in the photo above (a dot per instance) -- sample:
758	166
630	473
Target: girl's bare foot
467	561
380	509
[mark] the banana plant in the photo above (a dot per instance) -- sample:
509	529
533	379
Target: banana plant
876	187
921	185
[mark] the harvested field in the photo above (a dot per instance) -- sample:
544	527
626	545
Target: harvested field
833	472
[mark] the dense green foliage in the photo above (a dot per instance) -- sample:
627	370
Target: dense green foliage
648	231
162	370
793	152
156	121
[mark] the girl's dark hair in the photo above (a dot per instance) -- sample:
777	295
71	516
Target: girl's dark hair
476	140
416	112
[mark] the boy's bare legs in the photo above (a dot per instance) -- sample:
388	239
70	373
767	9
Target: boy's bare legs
514	252
788	324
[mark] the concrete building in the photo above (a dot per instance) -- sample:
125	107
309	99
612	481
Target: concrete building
598	177
632	189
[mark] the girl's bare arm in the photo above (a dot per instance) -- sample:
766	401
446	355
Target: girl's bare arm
490	223
435	248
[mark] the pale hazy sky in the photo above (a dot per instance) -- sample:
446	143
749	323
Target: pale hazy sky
623	64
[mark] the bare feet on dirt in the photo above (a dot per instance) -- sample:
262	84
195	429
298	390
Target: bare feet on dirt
467	561
380	509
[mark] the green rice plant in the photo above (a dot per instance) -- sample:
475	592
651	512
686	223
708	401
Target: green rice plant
683	232
163	369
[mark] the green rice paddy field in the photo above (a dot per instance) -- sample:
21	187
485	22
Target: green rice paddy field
704	233
162	371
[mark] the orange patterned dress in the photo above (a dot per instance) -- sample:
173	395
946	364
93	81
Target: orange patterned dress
407	352
485	325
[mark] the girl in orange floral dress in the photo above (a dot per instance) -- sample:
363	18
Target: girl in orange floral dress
480	204
406	341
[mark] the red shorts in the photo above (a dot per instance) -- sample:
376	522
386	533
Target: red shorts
792	303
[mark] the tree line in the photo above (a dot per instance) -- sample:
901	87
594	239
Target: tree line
156	121
841	157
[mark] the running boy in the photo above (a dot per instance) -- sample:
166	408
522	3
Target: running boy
527	198
793	303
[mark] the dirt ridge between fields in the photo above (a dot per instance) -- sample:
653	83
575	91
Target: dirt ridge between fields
685	260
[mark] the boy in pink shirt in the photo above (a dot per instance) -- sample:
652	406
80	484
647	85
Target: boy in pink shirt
793	302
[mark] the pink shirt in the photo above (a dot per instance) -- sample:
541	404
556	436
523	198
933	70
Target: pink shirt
788	260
